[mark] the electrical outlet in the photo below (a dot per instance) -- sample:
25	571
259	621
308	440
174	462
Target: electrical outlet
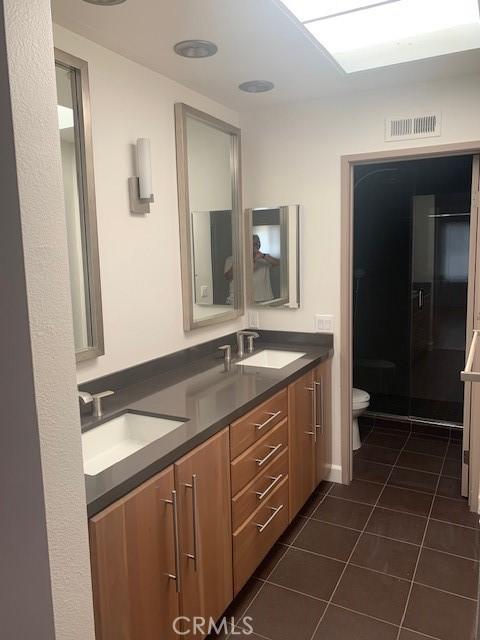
323	324
253	320
204	291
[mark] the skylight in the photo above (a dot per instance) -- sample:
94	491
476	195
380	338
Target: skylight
365	34
65	117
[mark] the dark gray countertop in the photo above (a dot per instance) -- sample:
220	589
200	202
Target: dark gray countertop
203	395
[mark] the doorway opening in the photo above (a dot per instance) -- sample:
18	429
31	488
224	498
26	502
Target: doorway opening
410	280
409	302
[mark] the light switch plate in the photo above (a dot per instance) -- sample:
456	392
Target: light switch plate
324	323
253	320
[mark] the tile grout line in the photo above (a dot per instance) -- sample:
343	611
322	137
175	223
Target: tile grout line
420	453
356	544
307	519
378	535
400	466
398	486
406	513
360	613
359	566
393	486
348	562
448	442
407	602
264	581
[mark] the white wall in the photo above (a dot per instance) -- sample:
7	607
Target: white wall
139	255
291	154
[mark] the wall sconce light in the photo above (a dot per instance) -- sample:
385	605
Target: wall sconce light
140	188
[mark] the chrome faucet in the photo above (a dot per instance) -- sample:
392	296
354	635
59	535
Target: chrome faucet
227	353
95	399
240	343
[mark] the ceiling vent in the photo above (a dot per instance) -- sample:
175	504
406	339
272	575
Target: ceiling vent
411	127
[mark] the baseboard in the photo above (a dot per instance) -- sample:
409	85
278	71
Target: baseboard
335	474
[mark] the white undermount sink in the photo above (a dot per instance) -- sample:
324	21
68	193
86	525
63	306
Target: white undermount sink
120	437
271	358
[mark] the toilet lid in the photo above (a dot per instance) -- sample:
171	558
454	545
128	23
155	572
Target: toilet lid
359	395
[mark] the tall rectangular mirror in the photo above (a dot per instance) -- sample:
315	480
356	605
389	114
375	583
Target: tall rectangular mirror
209	198
272	256
73	105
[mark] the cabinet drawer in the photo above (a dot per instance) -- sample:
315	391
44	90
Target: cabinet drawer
255	459
252	426
259	490
258	534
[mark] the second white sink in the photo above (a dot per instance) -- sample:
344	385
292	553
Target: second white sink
271	358
120	437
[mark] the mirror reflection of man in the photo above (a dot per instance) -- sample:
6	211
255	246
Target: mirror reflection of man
262	265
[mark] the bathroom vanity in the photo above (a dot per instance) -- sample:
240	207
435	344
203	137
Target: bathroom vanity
251	446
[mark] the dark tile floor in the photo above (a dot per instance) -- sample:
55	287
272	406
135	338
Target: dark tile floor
394	556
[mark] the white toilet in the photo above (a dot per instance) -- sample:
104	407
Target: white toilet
360	402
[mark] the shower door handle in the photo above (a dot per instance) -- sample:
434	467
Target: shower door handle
467	375
420	298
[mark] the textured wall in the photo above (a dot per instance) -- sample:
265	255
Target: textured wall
38	168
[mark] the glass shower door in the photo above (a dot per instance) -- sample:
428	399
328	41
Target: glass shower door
439	280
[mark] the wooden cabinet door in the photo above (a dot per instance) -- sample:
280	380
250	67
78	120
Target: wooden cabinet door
301	441
202	480
133	564
323	421
111	594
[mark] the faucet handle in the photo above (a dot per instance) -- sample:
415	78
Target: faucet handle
102	394
227	350
250	338
85	397
97	402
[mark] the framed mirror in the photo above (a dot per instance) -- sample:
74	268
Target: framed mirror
272	256
73	104
209	199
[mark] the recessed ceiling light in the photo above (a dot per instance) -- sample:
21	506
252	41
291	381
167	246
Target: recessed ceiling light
256	86
361	34
105	3
195	48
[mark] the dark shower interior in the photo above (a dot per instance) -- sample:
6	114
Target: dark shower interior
411	237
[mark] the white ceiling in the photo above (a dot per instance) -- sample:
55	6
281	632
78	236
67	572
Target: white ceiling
256	40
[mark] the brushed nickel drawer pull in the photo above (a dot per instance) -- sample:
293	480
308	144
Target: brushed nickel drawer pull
272	452
314	413
272	414
275	480
262	527
193	486
176	540
319	424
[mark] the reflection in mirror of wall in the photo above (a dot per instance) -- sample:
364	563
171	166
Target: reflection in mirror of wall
208	157
272	255
79	196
